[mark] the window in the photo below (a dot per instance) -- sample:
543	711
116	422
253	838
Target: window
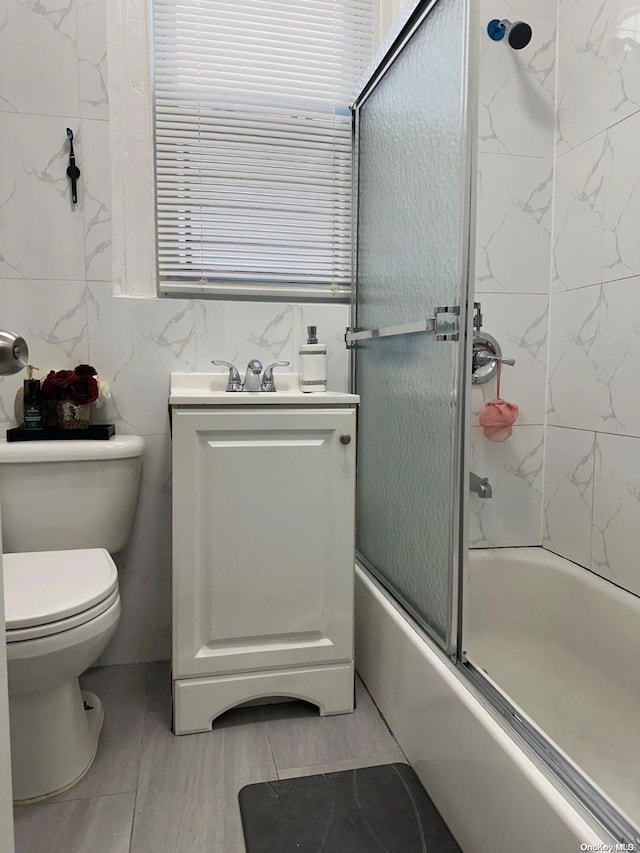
253	144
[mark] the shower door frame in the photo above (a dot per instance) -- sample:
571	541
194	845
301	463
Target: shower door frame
531	739
461	390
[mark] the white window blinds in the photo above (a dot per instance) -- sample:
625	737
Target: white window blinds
253	142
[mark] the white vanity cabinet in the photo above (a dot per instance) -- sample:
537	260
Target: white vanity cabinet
263	554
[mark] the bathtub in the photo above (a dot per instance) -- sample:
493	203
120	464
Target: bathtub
563	644
493	793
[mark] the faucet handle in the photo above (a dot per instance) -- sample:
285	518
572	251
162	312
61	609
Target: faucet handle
484	356
268	382
234	383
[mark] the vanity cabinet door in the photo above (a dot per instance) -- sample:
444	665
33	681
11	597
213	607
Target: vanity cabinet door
263	532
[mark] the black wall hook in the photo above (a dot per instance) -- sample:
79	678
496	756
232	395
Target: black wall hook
72	170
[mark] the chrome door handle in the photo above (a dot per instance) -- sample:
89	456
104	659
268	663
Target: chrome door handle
446	329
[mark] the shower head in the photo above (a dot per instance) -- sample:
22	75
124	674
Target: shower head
518	33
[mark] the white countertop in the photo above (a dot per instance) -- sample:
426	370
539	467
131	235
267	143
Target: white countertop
209	389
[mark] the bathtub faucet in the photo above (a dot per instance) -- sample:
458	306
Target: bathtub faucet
480	485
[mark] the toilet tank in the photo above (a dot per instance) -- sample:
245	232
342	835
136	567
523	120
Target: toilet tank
67	494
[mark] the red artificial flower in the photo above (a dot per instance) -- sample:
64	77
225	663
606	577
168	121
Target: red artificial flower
85	370
79	385
82	389
56	384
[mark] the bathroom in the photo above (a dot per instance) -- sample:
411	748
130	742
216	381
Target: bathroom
554	266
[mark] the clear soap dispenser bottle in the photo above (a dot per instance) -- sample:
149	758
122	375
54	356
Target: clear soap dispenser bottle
313	364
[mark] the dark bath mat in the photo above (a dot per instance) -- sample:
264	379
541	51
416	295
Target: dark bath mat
380	809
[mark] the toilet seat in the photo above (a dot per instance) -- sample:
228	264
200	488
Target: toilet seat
47	592
37	632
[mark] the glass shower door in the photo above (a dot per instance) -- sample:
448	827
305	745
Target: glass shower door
409	342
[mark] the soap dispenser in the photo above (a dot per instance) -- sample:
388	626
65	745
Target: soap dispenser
313	364
32	401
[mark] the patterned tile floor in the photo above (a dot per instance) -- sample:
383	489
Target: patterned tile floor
151	792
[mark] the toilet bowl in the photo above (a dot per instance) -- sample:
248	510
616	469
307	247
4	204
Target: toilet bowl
66	506
55	631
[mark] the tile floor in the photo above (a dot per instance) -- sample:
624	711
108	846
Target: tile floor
151	792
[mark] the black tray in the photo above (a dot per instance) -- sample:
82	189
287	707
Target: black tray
99	432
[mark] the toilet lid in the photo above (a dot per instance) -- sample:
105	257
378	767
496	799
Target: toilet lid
45	586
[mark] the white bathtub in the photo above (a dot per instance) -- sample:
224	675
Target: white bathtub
495	797
564	644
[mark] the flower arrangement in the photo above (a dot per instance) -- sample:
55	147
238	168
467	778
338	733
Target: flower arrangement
78	385
73	391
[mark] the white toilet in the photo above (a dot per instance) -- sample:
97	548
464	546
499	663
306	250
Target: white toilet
65	507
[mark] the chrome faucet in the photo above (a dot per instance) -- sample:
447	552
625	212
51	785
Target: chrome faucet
252	376
253	381
480	486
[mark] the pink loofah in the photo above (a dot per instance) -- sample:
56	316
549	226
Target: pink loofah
498	417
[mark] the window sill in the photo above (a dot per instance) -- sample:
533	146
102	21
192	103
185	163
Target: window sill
257	292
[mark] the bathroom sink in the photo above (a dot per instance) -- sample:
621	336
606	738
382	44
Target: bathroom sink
209	389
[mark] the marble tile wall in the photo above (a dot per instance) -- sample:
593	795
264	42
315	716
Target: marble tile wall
571	203
55	284
516	91
592	471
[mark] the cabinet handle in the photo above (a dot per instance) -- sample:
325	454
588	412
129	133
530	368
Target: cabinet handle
345	439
